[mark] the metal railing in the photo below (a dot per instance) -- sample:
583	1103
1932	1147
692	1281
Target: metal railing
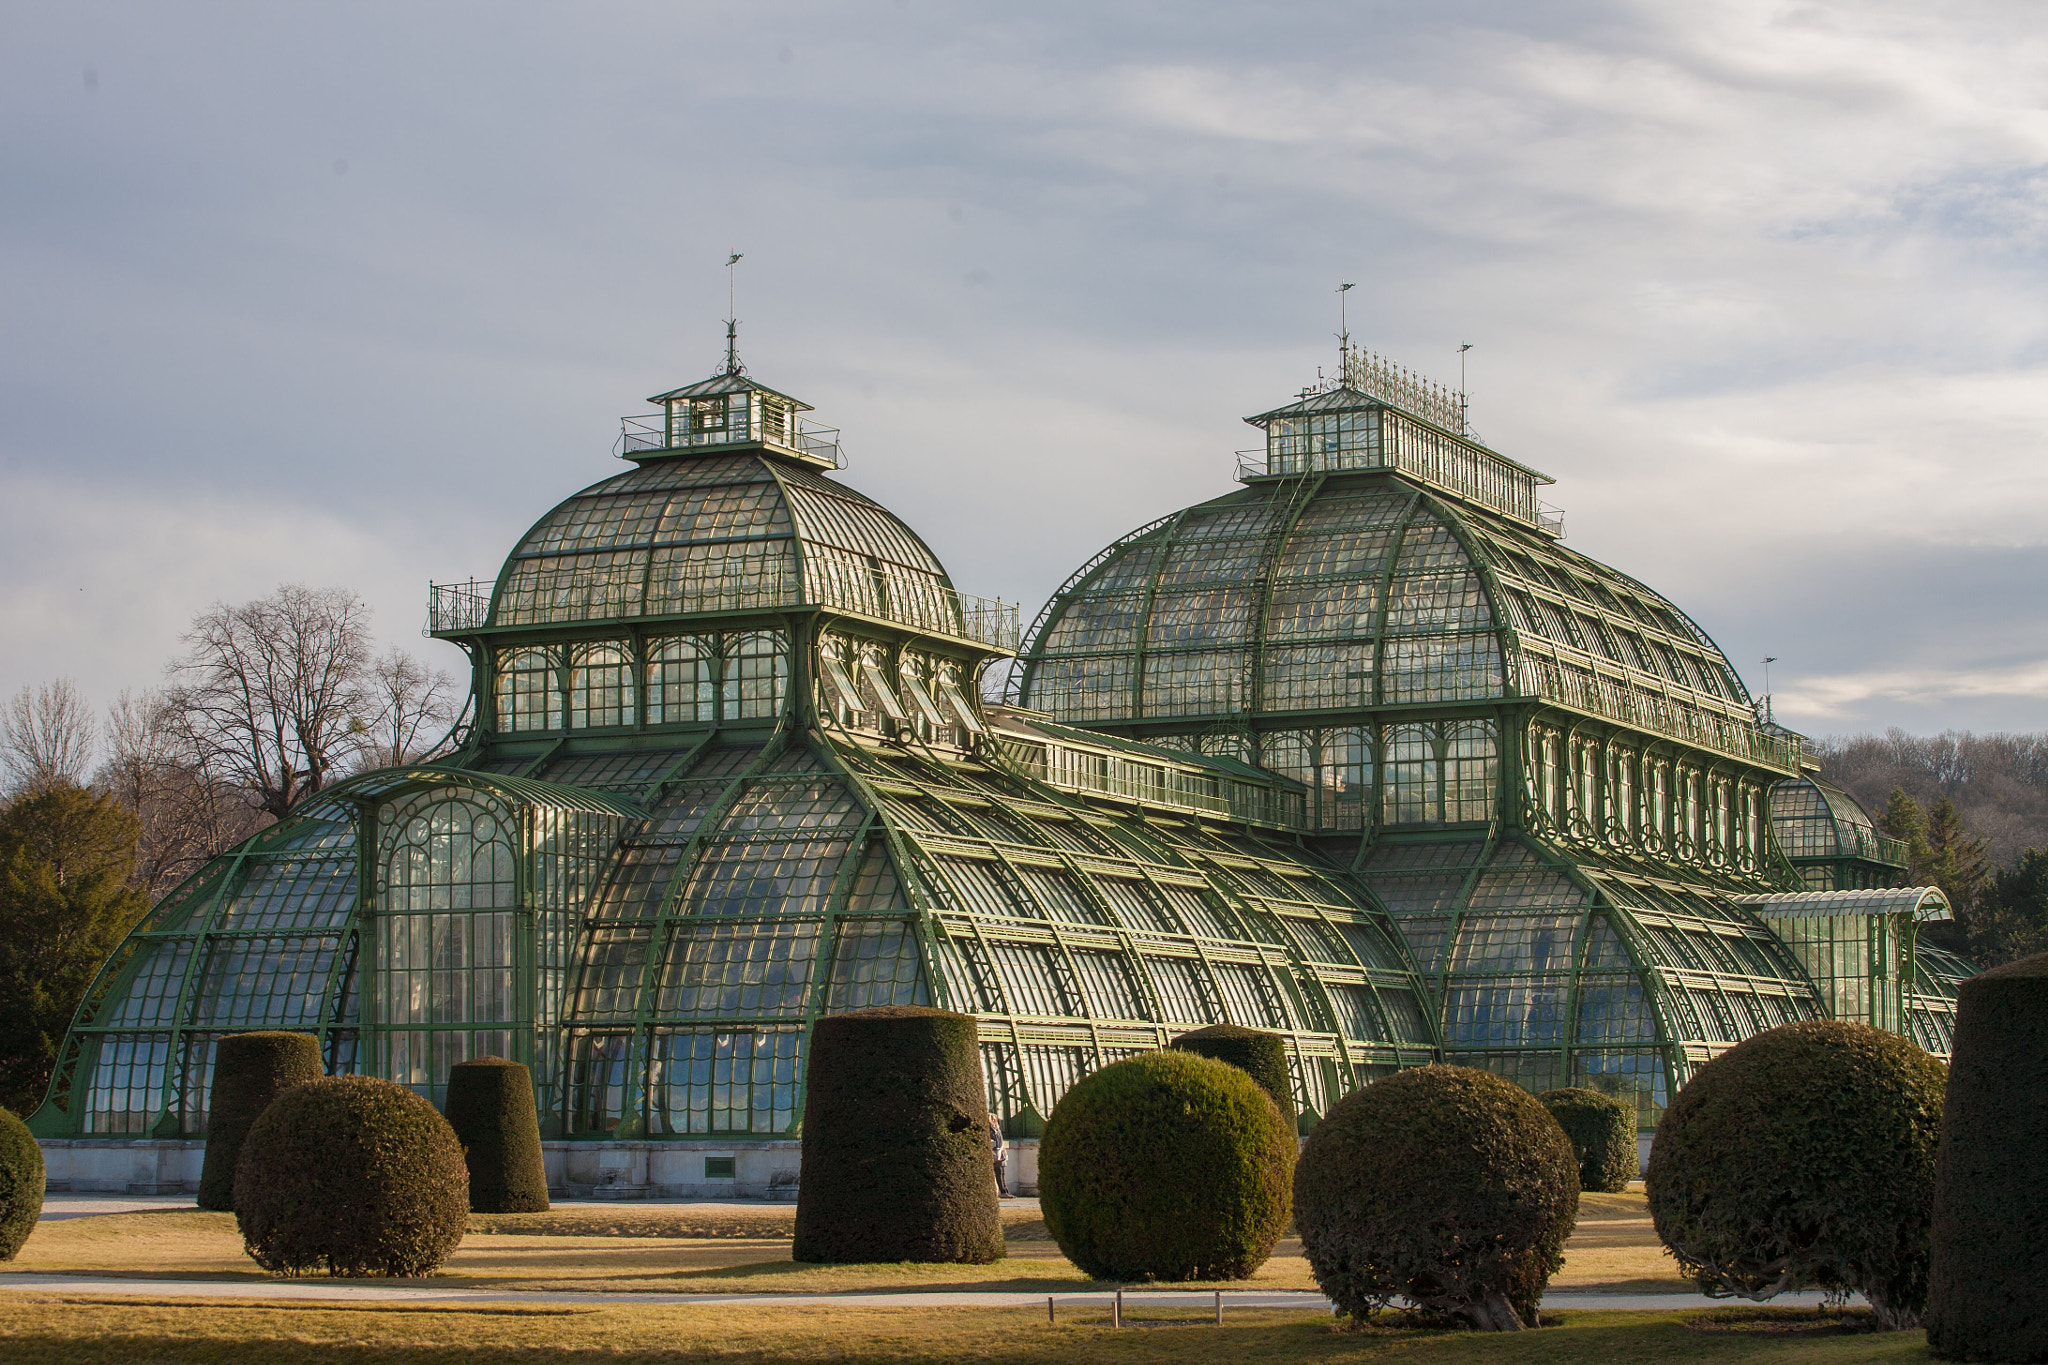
1383	379
1109	774
1604	696
455	607
652	431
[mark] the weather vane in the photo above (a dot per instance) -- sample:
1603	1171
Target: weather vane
1343	325
732	314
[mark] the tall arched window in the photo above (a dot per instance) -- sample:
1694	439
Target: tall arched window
600	687
1471	770
756	675
445	947
529	690
682	684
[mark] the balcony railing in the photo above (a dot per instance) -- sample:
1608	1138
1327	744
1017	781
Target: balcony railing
1604	696
459	608
652	431
1104	773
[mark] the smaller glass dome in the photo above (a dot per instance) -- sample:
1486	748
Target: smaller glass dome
1824	831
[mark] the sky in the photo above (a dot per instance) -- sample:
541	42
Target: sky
351	294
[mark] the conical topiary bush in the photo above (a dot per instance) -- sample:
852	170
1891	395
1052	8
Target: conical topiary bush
1988	1279
249	1071
896	1163
490	1107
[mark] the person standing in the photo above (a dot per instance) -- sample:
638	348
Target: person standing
1001	1155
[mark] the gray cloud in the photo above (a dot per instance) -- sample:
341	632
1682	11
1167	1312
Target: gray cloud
1760	284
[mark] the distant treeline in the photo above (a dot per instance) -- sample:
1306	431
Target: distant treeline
1974	810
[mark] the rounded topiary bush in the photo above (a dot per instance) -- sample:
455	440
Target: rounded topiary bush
1444	1185
1988	1296
490	1107
896	1163
249	1071
353	1174
1804	1158
1262	1055
1603	1132
21	1184
1166	1166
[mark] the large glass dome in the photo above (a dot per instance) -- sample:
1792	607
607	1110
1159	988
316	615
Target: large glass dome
725	771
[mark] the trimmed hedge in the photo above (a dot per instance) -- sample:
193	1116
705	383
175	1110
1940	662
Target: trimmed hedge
354	1174
249	1071
1804	1157
1445	1185
21	1184
1263	1055
896	1160
1166	1166
490	1107
1603	1132
1988	1295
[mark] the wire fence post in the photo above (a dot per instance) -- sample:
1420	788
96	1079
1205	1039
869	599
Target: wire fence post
1116	1310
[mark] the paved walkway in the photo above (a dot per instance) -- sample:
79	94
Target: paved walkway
425	1291
87	1204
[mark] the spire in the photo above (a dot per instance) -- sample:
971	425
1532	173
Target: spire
732	316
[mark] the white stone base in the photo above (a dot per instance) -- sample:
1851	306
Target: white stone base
766	1170
123	1165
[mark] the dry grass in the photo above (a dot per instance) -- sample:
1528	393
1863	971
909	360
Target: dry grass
710	1249
79	1330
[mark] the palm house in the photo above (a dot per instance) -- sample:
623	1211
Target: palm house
1359	754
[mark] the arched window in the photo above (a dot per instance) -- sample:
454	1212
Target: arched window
756	675
600	687
445	949
1471	770
1412	780
682	680
529	690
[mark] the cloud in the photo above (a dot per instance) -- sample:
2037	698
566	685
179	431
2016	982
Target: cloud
1760	284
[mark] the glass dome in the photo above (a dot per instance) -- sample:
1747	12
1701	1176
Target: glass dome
725	771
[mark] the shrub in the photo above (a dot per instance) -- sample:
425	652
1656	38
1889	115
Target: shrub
1166	1166
355	1174
249	1071
896	1163
490	1107
1448	1186
21	1184
1804	1157
1603	1133
1988	1295
1263	1055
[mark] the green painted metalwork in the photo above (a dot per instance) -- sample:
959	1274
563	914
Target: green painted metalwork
1360	755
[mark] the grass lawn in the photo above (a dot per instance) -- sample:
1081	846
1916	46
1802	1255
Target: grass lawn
77	1330
719	1250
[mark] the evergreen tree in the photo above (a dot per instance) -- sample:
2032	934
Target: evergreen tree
1955	858
2011	917
1902	819
65	903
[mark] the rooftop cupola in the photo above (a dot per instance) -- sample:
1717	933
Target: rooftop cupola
724	413
1377	416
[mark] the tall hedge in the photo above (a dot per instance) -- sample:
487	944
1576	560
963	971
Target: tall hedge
1166	1166
490	1107
1603	1133
1804	1158
1988	1296
249	1071
21	1184
354	1175
1263	1055
896	1159
1447	1186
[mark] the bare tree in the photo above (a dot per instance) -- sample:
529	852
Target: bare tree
272	692
187	814
415	705
46	737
